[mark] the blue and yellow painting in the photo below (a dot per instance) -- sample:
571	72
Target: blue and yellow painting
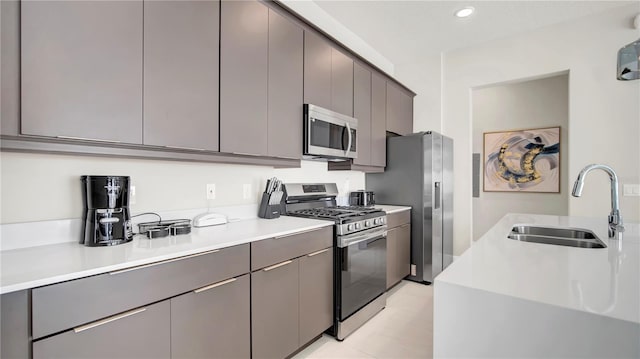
523	160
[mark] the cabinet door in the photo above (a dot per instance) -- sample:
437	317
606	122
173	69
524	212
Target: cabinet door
341	83
286	52
140	333
317	70
15	320
398	254
243	77
181	73
362	112
399	110
212	322
316	294
274	310
378	120
81	69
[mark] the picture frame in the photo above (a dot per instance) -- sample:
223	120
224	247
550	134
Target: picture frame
526	160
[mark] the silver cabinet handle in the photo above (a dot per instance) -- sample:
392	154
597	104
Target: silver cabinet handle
277	266
185	148
108	320
295	234
200	290
86	139
162	262
318	252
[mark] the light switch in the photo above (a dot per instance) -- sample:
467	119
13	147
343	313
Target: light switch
631	190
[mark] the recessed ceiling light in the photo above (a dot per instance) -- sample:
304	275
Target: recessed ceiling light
465	11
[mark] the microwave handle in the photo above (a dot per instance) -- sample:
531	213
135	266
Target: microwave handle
346	151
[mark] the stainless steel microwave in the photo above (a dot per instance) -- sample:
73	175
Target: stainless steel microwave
329	135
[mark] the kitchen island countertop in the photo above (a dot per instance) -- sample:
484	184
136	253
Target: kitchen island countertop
507	298
42	265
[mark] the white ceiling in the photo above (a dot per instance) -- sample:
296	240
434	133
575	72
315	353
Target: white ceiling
405	31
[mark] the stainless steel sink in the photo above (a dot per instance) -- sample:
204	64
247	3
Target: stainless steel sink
572	237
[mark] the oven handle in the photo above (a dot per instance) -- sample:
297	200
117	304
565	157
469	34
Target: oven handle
345	241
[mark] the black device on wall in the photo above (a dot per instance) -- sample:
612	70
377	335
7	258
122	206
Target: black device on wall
106	218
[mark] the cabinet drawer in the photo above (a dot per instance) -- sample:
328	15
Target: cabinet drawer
140	333
65	305
398	218
275	250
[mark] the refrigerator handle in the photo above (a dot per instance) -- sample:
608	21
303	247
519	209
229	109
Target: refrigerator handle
436	200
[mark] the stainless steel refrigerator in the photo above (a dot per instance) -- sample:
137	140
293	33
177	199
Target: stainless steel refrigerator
419	174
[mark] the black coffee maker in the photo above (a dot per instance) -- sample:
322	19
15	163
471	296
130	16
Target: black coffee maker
106	210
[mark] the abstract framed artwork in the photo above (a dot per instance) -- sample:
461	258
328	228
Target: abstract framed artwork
522	160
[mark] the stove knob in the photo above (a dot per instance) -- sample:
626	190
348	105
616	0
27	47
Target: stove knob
382	220
367	223
350	227
376	222
358	226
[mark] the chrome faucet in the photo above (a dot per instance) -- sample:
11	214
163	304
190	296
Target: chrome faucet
615	219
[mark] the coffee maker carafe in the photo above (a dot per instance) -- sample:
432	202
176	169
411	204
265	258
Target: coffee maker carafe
106	210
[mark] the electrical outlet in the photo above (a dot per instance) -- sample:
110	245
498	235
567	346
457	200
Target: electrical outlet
246	191
631	190
132	195
211	191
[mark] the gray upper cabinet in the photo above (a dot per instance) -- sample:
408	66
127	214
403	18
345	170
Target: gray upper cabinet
328	75
378	121
399	110
244	44
140	333
286	52
274	310
341	83
316	294
81	69
362	112
317	70
181	48
213	321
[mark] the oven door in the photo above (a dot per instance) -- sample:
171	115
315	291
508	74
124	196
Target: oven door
329	134
362	261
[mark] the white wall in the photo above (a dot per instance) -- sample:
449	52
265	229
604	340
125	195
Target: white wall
38	187
604	114
530	104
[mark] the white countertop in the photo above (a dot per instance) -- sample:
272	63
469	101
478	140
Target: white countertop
391	209
37	266
602	281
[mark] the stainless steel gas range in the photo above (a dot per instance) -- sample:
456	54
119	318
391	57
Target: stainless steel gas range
360	241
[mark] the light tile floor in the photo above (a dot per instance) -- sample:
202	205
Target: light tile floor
404	329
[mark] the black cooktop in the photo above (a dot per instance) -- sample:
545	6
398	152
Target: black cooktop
338	213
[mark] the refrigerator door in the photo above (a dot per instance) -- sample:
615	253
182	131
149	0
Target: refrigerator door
432	204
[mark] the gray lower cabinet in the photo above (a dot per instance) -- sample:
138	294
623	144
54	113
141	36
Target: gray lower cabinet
362	112
274	310
286	52
316	294
81	69
244	44
213	321
378	120
15	321
181	49
399	110
140	333
398	254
